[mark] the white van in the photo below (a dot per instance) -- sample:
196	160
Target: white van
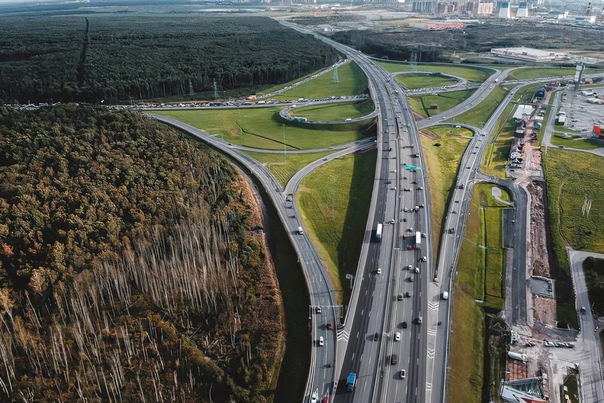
300	231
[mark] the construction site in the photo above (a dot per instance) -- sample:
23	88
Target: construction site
543	362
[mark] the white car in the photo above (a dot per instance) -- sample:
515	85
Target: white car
397	336
403	373
321	341
379	271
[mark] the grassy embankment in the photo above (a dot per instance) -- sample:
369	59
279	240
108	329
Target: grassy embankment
258	128
479	285
443	147
577	142
573	179
414	81
333	203
478	115
281	86
334	112
351	81
529	73
471	74
444	100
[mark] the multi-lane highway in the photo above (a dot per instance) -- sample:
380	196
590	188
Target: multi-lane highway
396	330
368	340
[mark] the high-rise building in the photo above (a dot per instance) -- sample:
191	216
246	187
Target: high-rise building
522	10
504	9
424	6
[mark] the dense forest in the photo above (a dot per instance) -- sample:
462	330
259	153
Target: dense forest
132	265
113	59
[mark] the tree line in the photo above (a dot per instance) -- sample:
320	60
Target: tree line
111	60
131	265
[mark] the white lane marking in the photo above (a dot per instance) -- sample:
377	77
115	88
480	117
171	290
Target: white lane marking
431	353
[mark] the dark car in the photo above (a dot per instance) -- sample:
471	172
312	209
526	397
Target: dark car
393	359
376	336
404	325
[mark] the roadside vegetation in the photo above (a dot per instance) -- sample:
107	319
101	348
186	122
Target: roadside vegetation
351	81
334	112
478	115
443	147
284	167
445	101
576	142
263	128
334	203
540	72
478	294
414	81
471	74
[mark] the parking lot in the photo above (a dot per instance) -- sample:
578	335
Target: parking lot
581	115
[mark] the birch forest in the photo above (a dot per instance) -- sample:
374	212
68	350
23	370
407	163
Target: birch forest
132	265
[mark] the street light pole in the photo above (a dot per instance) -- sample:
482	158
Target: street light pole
284	146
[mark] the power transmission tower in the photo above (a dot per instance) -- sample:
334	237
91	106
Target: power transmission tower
414	59
335	74
215	90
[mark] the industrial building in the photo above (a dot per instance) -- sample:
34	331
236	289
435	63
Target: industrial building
440	25
531	54
523	390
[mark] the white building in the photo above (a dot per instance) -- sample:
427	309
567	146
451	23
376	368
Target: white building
535	55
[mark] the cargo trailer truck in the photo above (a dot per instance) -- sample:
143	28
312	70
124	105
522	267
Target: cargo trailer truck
351	381
418	240
378	233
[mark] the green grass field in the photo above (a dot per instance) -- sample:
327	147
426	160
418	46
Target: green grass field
443	147
334	112
582	144
351	81
472	74
260	128
498	150
445	101
333	203
573	180
466	358
413	81
479	277
284	167
478	115
280	86
540	72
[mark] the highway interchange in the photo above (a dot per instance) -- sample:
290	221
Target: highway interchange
365	342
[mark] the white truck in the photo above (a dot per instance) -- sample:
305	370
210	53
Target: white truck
418	240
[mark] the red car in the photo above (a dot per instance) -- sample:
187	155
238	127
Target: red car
325	400
329	326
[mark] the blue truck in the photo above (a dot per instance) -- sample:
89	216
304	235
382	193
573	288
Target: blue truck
351	381
378	233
